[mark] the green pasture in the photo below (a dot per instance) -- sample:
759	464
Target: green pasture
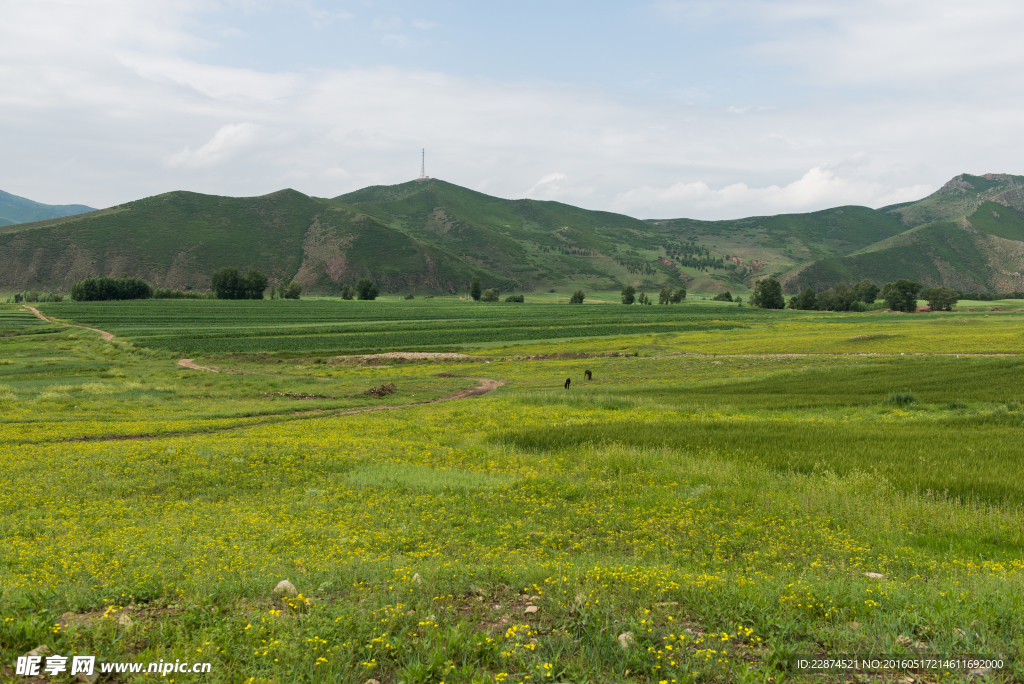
733	488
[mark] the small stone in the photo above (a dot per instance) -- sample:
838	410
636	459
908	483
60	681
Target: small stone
981	671
854	625
125	620
533	598
903	640
666	605
531	609
496	606
874	575
286	587
88	679
42	650
371	681
626	639
417	579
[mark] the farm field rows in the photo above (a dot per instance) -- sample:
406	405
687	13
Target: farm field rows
708	508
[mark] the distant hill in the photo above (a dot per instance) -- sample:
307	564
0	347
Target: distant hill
14	209
432	236
968	235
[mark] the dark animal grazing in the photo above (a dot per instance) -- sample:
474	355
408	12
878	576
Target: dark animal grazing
588	375
567	381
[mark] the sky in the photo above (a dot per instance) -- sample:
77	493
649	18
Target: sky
673	108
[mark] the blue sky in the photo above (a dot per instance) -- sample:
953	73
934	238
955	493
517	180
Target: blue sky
659	109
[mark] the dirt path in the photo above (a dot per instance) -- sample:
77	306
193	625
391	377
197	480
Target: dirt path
190	363
106	336
485	386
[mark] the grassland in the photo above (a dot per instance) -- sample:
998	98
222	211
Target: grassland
705	509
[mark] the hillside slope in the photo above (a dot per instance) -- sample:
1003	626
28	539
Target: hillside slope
180	239
968	235
531	243
14	209
432	236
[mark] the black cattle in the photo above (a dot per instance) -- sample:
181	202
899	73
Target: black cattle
567	381
588	375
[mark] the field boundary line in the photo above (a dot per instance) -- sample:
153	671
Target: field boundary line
484	386
109	337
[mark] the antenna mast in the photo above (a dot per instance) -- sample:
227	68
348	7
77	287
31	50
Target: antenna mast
423	164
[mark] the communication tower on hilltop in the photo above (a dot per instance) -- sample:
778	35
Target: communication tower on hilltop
423	167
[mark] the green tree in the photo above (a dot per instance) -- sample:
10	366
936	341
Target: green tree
901	295
347	291
805	301
577	297
867	291
294	290
643	299
679	295
722	297
940	298
490	295
255	284
474	289
739	301
665	296
768	294
628	294
225	283
282	289
367	289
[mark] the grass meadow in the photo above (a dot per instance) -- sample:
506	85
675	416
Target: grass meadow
733	490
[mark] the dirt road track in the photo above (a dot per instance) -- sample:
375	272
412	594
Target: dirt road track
109	337
190	363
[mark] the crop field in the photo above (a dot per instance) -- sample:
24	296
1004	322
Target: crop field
735	490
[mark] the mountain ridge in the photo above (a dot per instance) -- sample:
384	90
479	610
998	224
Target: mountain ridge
15	209
434	236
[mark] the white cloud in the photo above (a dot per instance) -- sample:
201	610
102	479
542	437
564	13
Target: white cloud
129	92
227	142
913	43
818	188
425	25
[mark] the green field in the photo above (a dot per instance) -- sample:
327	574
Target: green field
733	489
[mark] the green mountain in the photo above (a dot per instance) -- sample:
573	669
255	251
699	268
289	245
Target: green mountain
968	235
432	236
14	209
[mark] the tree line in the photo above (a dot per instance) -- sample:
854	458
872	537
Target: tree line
901	295
227	283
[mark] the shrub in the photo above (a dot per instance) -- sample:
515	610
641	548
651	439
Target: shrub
294	290
410	296
490	296
722	297
577	297
515	298
904	398
366	289
165	293
107	289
